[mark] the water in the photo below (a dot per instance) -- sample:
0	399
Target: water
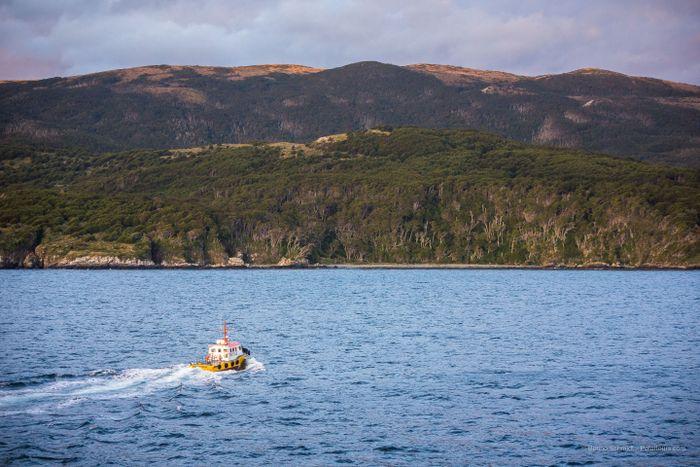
352	366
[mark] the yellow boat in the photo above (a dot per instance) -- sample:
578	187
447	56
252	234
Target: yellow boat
224	355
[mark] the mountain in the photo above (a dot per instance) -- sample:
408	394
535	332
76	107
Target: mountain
183	106
405	195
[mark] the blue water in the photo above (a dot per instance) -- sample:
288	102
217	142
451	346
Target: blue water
351	366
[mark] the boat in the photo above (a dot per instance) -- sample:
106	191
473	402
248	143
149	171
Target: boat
224	355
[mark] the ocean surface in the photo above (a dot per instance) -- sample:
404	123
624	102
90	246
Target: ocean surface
382	367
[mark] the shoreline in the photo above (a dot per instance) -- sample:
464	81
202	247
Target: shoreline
509	266
408	266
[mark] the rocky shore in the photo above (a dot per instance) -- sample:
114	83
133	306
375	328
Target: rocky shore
31	261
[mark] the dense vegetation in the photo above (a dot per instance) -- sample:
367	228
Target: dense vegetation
191	106
405	195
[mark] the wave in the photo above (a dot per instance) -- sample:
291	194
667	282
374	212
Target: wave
41	393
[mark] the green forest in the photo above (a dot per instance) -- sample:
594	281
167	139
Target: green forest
404	195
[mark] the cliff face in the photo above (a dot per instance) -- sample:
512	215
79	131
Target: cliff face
381	196
181	106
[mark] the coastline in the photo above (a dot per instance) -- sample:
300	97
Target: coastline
507	266
369	266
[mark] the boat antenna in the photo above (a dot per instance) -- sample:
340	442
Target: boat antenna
225	333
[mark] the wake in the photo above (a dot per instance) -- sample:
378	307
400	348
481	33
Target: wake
36	396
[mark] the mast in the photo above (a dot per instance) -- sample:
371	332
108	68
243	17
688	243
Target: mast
225	333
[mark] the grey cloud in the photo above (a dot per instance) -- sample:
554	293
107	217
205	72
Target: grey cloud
41	38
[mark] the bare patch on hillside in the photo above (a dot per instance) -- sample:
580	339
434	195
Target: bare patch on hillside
455	75
157	73
187	152
286	149
152	73
243	72
331	138
377	131
551	132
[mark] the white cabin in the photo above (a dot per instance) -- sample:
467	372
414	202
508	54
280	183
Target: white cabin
224	351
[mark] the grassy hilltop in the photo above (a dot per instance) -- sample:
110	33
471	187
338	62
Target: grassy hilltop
407	195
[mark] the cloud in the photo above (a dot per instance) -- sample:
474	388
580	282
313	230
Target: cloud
41	38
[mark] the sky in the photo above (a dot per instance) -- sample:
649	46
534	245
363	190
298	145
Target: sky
46	38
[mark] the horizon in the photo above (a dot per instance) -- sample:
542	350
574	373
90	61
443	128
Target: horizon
319	69
40	39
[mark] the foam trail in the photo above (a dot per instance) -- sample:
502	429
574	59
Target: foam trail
107	384
254	365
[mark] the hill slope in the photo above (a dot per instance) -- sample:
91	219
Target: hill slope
392	196
180	106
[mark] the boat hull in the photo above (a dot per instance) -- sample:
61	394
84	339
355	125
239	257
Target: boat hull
238	364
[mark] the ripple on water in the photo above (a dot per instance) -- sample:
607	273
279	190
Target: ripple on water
370	367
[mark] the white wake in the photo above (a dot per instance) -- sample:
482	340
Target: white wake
107	384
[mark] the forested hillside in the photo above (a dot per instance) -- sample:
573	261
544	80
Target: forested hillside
386	195
183	106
